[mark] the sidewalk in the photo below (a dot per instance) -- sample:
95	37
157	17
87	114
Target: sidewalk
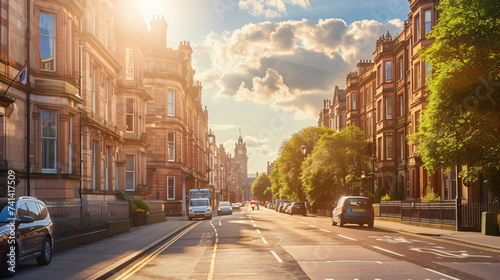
473	238
89	261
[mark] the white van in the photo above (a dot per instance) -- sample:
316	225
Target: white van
199	208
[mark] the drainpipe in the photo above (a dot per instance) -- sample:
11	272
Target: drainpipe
28	126
395	116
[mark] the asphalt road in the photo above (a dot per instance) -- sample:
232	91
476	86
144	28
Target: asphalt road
264	244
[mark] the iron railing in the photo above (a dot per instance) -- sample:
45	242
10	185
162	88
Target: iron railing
472	212
72	219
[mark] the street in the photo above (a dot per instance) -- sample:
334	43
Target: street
264	244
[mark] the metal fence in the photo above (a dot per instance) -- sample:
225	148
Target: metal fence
72	219
472	212
439	213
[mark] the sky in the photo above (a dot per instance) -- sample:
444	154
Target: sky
267	65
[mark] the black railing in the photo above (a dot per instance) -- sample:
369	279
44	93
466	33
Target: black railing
472	213
390	209
72	219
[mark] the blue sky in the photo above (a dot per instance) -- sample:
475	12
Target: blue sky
267	65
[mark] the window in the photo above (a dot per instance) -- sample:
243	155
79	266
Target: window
171	146
388	108
379	146
428	25
49	141
417	28
417	121
379	110
428	72
171	103
47	42
387	71
70	141
388	147
401	105
402	146
94	82
130	172
129	63
379	75
107	162
130	114
106	100
401	72
94	162
354	101
418	76
170	187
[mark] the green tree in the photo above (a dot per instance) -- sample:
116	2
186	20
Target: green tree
289	162
276	186
261	188
461	124
334	167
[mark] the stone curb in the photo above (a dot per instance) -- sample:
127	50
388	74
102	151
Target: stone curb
117	266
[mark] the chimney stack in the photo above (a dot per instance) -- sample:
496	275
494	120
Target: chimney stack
159	32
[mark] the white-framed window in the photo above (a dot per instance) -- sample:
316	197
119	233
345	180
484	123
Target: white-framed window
427	18
401	67
418	76
401	105
129	114
171	103
130	172
170	187
388	147
129	63
47	42
70	143
354	101
94	162
388	108
387	71
171	146
379	75
49	141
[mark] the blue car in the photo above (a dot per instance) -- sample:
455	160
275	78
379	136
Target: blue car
353	210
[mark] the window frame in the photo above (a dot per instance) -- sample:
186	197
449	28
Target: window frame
388	147
388	71
52	139
353	101
130	171
129	64
129	115
54	42
171	103
388	108
171	147
170	187
427	21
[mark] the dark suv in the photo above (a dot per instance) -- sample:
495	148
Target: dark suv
25	233
353	210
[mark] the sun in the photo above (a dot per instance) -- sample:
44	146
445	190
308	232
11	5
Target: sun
152	7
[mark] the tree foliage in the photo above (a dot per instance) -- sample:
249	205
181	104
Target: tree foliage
334	167
461	124
288	168
261	188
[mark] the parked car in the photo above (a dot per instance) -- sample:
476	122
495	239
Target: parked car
298	208
26	231
224	208
278	203
287	208
199	208
353	210
235	205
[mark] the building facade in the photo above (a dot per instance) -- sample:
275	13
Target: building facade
385	98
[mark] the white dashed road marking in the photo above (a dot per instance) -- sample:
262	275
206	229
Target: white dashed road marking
276	256
346	237
385	250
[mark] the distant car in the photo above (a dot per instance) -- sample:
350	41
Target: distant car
199	208
353	210
298	208
224	208
287	208
26	231
235	205
278	202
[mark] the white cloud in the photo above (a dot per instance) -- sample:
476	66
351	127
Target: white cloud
215	127
290	65
270	8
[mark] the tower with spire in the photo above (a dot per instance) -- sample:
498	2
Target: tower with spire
241	158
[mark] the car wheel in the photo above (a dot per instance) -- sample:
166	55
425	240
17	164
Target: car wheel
361	225
341	222
46	256
333	222
8	268
370	224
